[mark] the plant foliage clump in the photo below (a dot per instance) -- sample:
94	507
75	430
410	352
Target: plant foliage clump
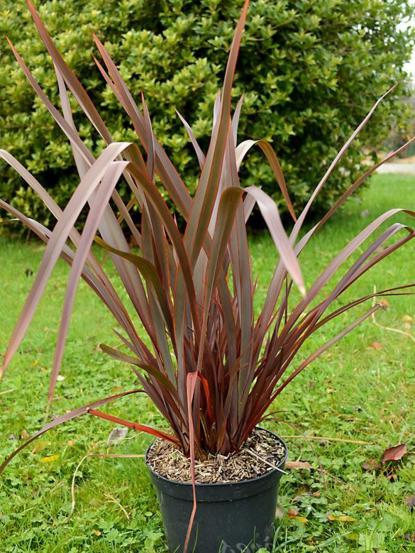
309	72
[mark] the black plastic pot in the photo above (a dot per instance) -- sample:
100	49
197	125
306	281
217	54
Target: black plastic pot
230	518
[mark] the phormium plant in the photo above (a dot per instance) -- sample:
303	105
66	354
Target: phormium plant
211	367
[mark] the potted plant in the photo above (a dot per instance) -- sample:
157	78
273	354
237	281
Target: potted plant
211	366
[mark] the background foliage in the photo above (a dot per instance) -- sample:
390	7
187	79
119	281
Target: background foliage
309	71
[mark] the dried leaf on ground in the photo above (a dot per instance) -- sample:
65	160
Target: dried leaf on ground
50	458
117	435
297	465
395	453
303	520
279	512
292	512
376	345
410	501
371	465
340	518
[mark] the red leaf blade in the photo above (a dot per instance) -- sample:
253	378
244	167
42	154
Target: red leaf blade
394	453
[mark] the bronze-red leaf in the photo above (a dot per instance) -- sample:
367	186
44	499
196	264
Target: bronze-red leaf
394	453
376	345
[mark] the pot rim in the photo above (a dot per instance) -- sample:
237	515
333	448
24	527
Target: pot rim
278	468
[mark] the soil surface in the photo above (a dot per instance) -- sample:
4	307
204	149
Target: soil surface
261	453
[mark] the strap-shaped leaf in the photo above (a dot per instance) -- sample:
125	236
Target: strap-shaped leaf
324	348
149	273
199	153
334	163
270	213
274	163
235	119
81	164
134	425
69	131
120	356
347	251
159	204
164	167
98	206
101	287
190	388
211	173
57	421
58	240
72	81
226	216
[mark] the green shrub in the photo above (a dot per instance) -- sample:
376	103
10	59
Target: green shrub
315	67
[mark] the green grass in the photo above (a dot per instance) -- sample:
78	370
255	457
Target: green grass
355	392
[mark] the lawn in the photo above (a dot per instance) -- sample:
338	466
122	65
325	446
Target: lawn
66	494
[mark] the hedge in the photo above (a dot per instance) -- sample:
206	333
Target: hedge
309	71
